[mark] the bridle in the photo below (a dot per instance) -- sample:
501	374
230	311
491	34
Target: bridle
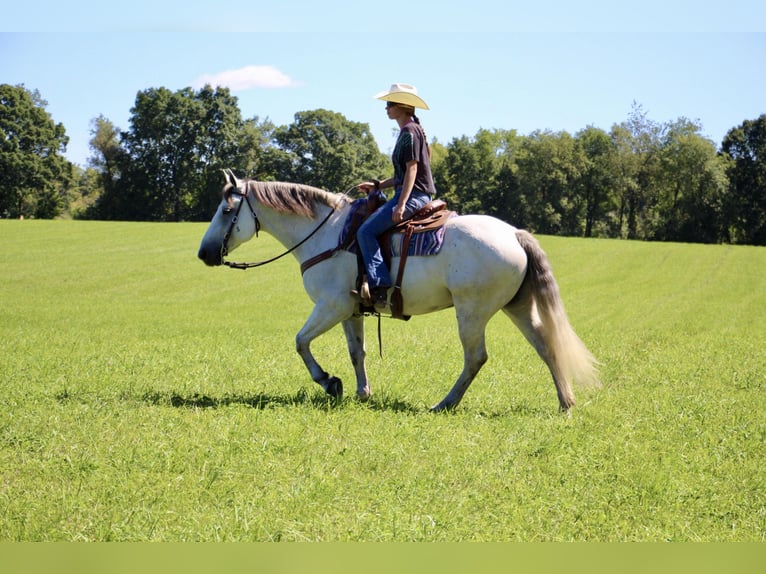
245	198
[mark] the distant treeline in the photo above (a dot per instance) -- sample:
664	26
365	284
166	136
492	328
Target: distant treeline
639	180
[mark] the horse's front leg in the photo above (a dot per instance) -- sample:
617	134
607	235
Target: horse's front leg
321	320
354	330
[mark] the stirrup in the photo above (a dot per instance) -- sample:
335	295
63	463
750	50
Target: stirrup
380	301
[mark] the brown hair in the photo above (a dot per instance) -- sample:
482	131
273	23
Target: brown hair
416	119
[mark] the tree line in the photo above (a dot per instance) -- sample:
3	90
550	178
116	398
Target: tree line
640	180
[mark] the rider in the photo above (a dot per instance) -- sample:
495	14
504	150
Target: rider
412	182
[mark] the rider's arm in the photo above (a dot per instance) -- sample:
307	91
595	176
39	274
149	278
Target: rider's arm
409	182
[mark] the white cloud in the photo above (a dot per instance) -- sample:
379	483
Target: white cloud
247	78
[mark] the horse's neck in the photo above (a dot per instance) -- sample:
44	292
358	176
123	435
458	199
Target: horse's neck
290	229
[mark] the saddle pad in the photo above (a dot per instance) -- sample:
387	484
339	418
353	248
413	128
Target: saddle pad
426	243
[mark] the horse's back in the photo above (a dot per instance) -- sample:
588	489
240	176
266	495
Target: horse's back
481	257
481	245
484	230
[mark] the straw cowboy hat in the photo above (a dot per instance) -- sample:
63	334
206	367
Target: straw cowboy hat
403	94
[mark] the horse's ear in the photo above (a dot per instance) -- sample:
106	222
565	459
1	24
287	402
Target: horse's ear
230	177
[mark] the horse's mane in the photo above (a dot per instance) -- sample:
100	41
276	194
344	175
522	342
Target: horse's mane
293	198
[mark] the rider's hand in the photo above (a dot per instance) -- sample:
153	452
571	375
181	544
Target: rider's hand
366	187
398	214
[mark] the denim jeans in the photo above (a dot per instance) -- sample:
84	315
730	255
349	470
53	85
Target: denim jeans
380	221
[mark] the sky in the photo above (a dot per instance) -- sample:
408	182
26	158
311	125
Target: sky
484	64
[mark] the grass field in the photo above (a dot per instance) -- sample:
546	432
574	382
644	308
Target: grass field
147	397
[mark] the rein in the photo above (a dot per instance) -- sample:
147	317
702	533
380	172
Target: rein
245	197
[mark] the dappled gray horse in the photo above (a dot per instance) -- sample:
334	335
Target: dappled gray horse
484	266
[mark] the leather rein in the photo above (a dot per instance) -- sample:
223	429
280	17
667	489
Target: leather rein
245	198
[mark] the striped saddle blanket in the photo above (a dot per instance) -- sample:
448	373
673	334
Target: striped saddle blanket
427	242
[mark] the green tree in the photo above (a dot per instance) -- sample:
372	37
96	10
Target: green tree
625	170
34	176
597	182
255	155
439	154
247	151
639	138
227	141
466	169
100	196
477	175
549	166
326	150
745	147
84	193
691	187
105	147
173	153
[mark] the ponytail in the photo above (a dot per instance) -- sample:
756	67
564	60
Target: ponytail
416	119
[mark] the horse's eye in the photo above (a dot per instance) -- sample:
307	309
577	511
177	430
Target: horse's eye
227	210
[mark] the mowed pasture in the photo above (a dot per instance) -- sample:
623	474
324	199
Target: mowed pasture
147	397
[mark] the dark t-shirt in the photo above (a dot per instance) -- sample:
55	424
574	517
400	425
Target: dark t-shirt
412	145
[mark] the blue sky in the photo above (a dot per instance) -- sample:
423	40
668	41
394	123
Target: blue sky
483	64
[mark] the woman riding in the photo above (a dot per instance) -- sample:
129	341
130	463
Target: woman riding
412	182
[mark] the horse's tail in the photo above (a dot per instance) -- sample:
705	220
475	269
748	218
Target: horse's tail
568	354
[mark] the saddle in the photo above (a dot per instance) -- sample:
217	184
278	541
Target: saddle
430	217
360	211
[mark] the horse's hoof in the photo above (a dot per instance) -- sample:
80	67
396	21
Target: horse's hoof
442	406
334	387
363	395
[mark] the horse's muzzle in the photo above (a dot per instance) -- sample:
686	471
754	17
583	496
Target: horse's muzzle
211	257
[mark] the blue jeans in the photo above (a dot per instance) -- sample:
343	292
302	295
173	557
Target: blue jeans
379	222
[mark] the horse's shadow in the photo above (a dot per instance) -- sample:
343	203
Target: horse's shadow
262	401
320	401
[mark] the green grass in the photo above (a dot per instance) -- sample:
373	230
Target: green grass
147	397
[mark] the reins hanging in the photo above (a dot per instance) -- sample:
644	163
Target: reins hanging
235	265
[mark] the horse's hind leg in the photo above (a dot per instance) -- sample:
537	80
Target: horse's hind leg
354	330
523	312
472	324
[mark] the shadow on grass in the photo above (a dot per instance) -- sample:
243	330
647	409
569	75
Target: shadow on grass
264	400
318	400
322	401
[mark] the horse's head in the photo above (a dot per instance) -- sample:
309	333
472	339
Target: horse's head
234	222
